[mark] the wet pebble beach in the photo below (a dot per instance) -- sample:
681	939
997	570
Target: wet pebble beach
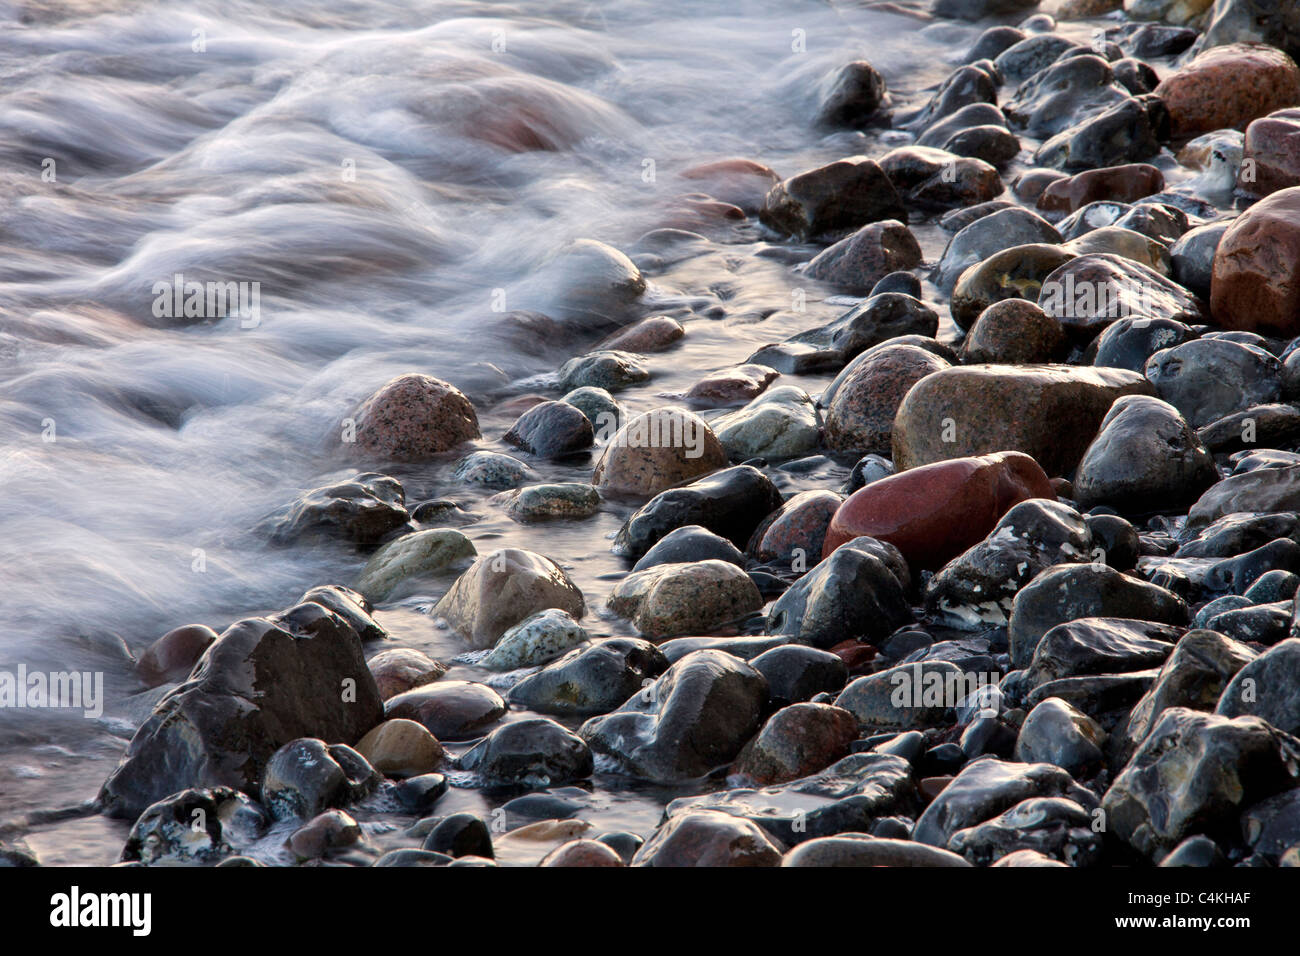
899	469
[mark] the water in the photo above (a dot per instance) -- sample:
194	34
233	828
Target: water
381	171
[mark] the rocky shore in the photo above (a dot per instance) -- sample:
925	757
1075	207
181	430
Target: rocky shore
998	567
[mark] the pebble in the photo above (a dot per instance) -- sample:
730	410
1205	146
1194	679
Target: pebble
414	417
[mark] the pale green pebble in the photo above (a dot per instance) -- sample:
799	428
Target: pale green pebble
609	369
780	423
536	640
492	470
570	499
601	408
420	553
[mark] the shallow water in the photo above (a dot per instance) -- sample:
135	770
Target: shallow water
384	172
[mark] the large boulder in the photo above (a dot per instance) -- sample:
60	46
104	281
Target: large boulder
262	684
1049	412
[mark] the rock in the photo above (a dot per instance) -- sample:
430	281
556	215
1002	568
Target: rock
1049	412
991	143
461	835
1271	828
411	556
796	741
858	262
1127	183
401	748
855	96
1014	332
654	334
305	777
414	417
566	499
1144	459
988	234
1061	93
708	838
741	182
851	594
973	115
551	430
796	674
879	319
1116	539
1263	490
1271	426
533	752
906	697
1093	290
1128	343
1128	132
860	849
1054	829
538	639
978	587
729	503
1266	687
1056	733
695	717
193	827
1194	773
1271	154
1167	11
933	513
1135	76
1099	645
979	9
672	599
993	41
1255	285
832	200
491	470
501	589
607	369
591	680
1237	533
656	450
792	534
781	423
1029	185
449	709
1017	272
1154	39
401	669
861	415
732	386
604	413
987	787
964	87
935	178
1033	857
1069	592
1034	53
361	511
262	683
1228	86
1251	21
1124	244
690	543
1198	851
586	853
331	830
173	656
1208	379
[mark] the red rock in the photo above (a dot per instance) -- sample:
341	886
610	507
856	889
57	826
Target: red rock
1029	185
856	656
1256	281
582	853
403	668
649	335
796	741
732	386
1271	158
935	512
450	710
798	525
174	655
1228	86
1127	183
741	182
864	258
414	417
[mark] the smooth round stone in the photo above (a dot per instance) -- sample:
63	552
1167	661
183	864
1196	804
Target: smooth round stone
414	417
551	430
859	262
861	415
653	334
492	470
992	42
781	423
403	668
608	369
450	710
690	543
1116	240
1273	586
173	656
855	591
600	407
672	599
796	673
591	680
331	830
1002	229
732	386
656	450
1228	86
708	838
1272	146
537	639
401	748
741	182
419	793
832	200
307	776
933	177
1015	273
856	94
583	853
1056	733
534	752
561	500
796	741
903	282
1208	379
1117	539
460	835
362	511
416	555
1095	289
1121	184
796	531
502	588
1130	342
1256	279
1014	332
1130	131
